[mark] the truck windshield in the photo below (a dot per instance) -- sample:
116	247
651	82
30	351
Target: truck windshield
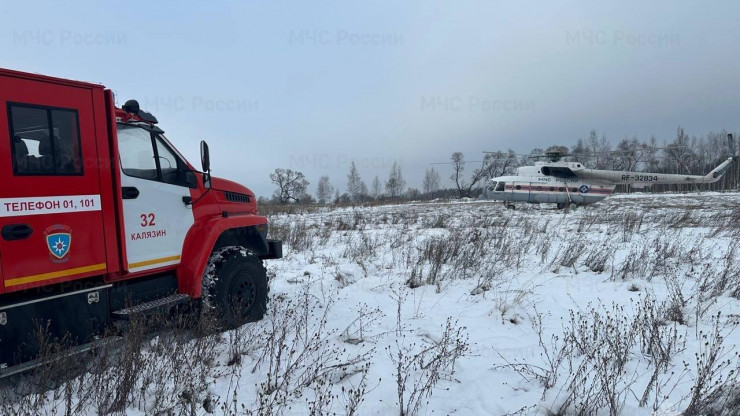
137	153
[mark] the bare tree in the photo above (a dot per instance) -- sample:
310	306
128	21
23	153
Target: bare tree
396	183
499	163
652	162
458	166
629	153
580	150
355	184
324	190
377	190
363	191
431	181
464	187
291	185
599	157
680	152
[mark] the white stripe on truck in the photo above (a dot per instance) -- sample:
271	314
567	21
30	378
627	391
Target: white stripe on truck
41	205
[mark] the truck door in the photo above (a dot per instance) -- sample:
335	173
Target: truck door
156	187
50	205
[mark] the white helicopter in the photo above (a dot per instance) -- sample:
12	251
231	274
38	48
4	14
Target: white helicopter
570	184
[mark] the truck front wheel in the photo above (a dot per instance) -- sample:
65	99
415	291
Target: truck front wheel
236	286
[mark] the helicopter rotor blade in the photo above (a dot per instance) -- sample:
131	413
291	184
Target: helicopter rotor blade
452	163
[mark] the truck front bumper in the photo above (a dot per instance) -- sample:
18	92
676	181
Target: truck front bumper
274	250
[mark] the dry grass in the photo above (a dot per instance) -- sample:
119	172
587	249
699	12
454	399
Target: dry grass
603	354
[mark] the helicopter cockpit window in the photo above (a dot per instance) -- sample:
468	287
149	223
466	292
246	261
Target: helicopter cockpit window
500	186
492	186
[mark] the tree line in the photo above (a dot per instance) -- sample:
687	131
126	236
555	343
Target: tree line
293	187
684	154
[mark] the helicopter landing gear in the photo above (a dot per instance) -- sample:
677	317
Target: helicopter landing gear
509	205
567	206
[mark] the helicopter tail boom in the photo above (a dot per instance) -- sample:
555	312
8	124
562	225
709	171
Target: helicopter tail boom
640	179
720	170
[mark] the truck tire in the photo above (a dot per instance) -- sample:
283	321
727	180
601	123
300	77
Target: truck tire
238	286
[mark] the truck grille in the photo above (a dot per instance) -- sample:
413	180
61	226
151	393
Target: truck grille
236	197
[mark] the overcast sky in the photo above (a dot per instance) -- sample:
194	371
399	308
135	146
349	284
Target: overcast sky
313	85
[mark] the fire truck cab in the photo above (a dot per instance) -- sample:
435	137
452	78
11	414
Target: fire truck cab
101	218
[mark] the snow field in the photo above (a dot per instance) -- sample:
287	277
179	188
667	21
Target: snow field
626	307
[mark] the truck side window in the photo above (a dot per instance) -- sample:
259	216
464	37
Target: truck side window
168	164
144	155
44	140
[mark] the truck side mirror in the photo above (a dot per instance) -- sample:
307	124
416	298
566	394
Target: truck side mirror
205	161
205	156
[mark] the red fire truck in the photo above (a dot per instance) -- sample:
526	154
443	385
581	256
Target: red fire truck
103	219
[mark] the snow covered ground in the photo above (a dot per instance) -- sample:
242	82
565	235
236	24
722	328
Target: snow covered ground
504	274
626	307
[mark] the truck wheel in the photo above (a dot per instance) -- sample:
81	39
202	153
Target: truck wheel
238	288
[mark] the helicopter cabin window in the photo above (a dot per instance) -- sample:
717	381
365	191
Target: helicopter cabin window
561	189
552	188
500	187
518	187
